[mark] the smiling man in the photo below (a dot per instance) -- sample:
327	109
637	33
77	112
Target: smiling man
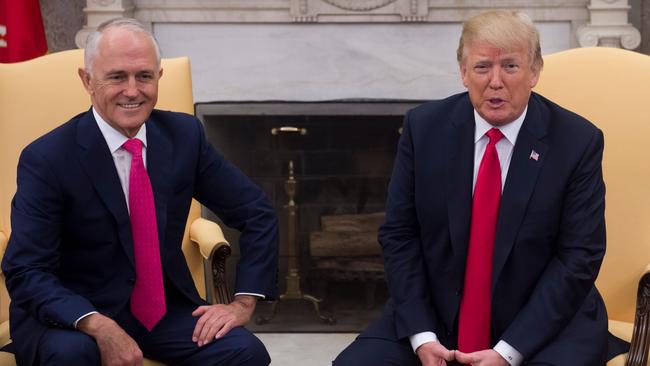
495	229
94	264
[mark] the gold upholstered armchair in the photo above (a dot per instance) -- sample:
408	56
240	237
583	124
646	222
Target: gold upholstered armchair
611	88
36	96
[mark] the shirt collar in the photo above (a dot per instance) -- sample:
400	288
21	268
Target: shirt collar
509	130
114	138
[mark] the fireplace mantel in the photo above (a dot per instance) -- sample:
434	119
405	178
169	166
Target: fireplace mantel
311	50
332	11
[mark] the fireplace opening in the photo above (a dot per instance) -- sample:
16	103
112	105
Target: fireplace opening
341	156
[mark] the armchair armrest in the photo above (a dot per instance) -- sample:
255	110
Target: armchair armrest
215	249
640	344
3	243
4	325
4	333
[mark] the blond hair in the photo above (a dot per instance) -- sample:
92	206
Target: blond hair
504	29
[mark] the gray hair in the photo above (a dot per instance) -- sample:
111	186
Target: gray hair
92	42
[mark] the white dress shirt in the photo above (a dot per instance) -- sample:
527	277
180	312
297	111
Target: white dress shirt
504	149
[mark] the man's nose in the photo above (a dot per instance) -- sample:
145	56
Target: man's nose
495	79
131	88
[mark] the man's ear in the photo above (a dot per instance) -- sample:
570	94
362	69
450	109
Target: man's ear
160	73
85	79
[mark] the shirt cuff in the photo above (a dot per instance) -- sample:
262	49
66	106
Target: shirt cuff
419	339
251	294
81	317
511	355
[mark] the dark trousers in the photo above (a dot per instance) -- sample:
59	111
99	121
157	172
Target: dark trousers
170	341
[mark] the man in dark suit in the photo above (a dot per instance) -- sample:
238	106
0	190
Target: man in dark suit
94	265
495	230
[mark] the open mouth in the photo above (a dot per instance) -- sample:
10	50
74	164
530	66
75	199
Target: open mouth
495	102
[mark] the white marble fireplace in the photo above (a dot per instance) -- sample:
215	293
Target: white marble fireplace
346	70
314	50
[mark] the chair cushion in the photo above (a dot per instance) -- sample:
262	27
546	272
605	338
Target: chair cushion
622	330
618	360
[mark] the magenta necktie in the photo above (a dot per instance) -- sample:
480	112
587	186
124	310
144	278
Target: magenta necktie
148	296
476	302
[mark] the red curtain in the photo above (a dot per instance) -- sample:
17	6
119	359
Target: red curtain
22	36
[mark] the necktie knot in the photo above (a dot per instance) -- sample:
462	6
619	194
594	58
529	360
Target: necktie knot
134	146
494	134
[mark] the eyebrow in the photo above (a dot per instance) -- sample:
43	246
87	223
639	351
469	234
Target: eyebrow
118	71
510	59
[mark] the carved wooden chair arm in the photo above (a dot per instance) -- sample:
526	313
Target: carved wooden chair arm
640	344
215	249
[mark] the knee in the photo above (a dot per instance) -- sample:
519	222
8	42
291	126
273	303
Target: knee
353	355
253	353
68	348
347	357
376	352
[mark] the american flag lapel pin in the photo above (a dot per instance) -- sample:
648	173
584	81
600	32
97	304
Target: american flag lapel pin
534	155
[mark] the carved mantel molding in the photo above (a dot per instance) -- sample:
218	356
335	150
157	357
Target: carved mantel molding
323	11
326	11
609	26
98	11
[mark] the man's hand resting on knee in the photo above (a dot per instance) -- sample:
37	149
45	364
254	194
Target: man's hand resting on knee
115	346
434	354
217	320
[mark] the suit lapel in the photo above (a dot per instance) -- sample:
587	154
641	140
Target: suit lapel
159	168
98	163
460	150
520	183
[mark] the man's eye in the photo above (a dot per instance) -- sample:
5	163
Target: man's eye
115	77
511	67
481	68
145	77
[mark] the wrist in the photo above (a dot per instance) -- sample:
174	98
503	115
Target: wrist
246	301
93	324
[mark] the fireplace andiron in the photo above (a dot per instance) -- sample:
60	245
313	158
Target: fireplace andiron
293	291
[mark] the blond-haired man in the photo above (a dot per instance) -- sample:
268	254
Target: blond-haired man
495	228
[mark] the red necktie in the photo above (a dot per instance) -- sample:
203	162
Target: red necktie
148	296
476	302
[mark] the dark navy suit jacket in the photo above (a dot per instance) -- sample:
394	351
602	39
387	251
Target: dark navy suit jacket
550	238
71	249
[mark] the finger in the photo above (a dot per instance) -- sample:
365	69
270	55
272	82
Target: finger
465	357
200	310
210	329
224	330
198	328
449	355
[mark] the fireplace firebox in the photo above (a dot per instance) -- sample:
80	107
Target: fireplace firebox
342	163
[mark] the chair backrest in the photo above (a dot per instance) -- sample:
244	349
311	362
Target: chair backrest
611	88
38	95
